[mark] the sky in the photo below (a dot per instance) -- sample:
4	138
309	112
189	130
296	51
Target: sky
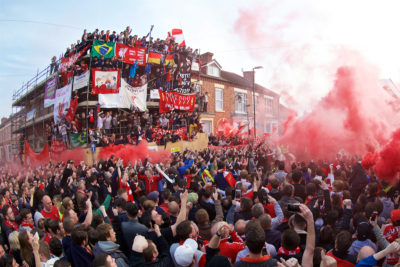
299	43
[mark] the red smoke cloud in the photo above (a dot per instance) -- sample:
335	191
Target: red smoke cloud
131	153
386	162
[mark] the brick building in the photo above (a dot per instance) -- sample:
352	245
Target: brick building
230	98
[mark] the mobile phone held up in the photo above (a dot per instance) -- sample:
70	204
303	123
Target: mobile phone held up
293	207
238	194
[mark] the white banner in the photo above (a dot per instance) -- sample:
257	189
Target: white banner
81	80
31	114
62	102
128	97
133	97
154	94
110	101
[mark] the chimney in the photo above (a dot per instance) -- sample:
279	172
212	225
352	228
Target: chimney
3	120
206	58
248	75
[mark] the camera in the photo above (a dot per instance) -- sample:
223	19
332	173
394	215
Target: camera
238	194
293	207
373	216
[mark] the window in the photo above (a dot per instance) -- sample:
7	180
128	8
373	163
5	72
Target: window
240	102
219	99
269	105
213	70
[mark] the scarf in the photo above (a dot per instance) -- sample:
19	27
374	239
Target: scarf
13	225
283	251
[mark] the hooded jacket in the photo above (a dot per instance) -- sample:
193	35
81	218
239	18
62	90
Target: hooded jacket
113	250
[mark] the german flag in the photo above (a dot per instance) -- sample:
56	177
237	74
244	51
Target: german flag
154	58
169	60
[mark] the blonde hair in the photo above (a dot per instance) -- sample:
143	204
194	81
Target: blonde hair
13	240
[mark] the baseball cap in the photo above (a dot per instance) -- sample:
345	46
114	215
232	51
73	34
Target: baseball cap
153	196
395	215
184	254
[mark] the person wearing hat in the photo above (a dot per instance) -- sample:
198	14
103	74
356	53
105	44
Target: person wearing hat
364	230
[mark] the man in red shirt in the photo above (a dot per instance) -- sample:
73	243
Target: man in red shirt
150	180
49	211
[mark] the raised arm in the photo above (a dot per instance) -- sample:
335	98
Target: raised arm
182	213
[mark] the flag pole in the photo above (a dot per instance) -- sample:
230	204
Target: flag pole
87	101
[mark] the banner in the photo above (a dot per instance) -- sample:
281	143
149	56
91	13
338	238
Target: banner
67	62
171	100
33	159
110	101
159	131
31	114
57	146
78	139
183	72
129	54
105	82
133	97
157	57
50	91
154	94
72	109
183	90
62	102
81	81
128	97
104	49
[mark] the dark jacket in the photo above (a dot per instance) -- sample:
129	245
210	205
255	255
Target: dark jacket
130	229
163	259
113	250
80	256
273	237
265	261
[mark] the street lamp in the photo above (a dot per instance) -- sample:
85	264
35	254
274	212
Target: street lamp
254	98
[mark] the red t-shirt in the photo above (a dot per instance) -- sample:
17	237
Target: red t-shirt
52	215
151	183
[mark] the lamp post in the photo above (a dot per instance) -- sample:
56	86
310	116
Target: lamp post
254	98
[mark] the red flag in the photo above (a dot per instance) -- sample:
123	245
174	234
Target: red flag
72	109
229	178
172	100
67	62
106	82
130	54
177	35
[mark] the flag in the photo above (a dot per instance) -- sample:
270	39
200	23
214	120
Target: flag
100	48
206	176
62	102
177	35
229	178
154	58
105	82
78	139
72	109
129	54
172	100
169	60
67	62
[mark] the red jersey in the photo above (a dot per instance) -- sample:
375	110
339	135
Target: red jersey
127	188
151	182
53	214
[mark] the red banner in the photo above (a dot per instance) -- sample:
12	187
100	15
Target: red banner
105	82
172	100
130	54
159	131
57	146
36	159
72	109
67	62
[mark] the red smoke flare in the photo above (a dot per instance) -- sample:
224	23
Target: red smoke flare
386	163
130	153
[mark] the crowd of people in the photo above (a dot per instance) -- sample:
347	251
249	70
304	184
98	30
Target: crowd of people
244	206
127	127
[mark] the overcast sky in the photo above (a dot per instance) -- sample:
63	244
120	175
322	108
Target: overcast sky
297	42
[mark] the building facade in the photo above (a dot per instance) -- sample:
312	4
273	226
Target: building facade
230	99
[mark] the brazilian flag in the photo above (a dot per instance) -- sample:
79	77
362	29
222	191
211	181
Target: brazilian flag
78	139
100	48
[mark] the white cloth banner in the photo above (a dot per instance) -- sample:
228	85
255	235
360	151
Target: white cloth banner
110	101
133	96
81	80
154	94
62	102
128	97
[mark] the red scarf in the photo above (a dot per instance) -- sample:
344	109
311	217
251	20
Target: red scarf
25	224
283	251
13	225
82	192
